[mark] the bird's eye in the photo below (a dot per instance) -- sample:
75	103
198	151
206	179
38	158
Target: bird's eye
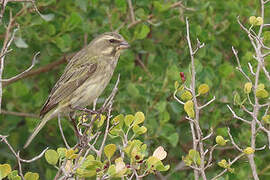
113	41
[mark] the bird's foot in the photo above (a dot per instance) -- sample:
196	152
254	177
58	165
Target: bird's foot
89	111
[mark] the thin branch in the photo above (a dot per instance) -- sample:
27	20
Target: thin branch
196	106
43	69
209	135
19	114
230	163
176	98
234	144
131	11
239	67
251	69
34	61
237	117
62	133
209	102
210	156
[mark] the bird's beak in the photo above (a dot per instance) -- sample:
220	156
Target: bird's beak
124	45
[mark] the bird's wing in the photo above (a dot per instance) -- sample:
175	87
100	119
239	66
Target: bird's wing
74	76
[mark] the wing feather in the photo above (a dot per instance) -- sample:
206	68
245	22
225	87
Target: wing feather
71	79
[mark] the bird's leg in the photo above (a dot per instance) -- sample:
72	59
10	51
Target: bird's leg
89	111
82	140
73	121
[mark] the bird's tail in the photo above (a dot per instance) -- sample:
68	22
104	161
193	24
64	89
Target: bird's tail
44	120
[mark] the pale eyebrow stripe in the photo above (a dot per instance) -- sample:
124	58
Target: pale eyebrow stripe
107	37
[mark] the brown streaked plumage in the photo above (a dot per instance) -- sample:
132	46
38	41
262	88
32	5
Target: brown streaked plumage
84	78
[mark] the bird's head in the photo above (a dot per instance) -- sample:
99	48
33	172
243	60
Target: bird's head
109	44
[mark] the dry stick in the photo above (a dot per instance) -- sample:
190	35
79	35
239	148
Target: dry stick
149	17
196	107
62	133
131	11
239	67
237	117
257	45
46	68
19	114
34	61
6	44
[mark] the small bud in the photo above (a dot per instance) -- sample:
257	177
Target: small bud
248	87
249	150
259	21
221	141
266	119
223	163
183	78
260	86
252	20
137	157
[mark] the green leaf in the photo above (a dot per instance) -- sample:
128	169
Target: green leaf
139	118
121	4
63	42
173	139
5	169
161	7
162	167
112	170
31	176
194	156
141	31
73	21
13	175
51	156
132	90
20	43
61	152
129	119
261	93
203	89
47	17
109	150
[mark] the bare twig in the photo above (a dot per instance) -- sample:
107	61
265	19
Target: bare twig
237	117
209	102
131	11
230	163
239	67
34	61
22	114
62	133
46	68
201	169
234	144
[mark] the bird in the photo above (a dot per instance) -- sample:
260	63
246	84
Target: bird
84	79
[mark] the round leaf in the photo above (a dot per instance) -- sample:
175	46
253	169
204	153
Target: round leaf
51	156
109	150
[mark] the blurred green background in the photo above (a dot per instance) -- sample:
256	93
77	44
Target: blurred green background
148	71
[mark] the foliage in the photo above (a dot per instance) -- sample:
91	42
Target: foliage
148	71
